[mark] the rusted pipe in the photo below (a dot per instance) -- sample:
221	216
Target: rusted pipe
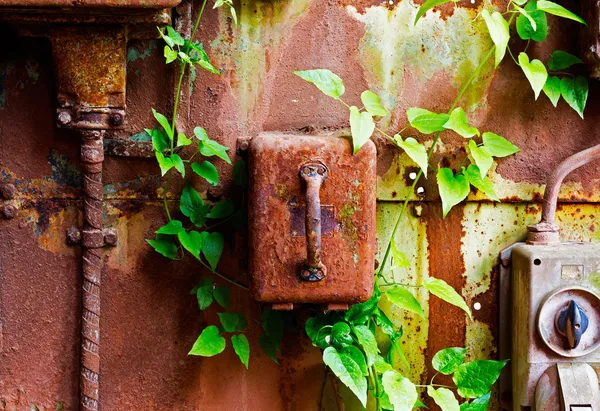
313	173
92	156
546	231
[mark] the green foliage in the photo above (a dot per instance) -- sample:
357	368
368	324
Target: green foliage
476	378
209	343
426	121
528	30
558	10
444	398
454	188
242	348
400	390
499	32
403	298
448	360
348	371
575	92
326	81
561	60
459	123
428	5
361	127
535	71
442	290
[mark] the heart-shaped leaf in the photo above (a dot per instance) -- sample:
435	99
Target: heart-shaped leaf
241	348
448	360
535	71
325	80
482	157
361	127
459	123
400	390
444	291
372	103
212	248
499	32
403	298
552	89
575	92
453	189
209	343
207	171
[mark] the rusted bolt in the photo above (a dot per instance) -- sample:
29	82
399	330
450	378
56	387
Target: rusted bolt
244	146
7	191
73	236
116	119
9	212
110	237
64	118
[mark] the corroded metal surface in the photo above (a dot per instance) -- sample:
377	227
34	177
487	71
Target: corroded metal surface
156	4
277	259
148	320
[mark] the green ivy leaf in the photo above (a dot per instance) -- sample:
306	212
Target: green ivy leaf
192	241
164	247
348	371
453	189
482	157
209	148
190	201
360	313
498	146
561	60
526	14
172	227
448	360
372	103
241	348
178	164
385	324
162	120
400	390
182	140
552	89
356	355
361	127
318	329
222	209
184	57
207	171
459	123
524	27
166	38
367	341
209	343
479	404
222	296
558	10
499	32
428	5
473	175
176	37
415	150
535	71
269	347
165	163
212	248
426	121
381	366
170	54
444	398
201	134
233	322
340	335
160	140
442	290
575	92
325	80
476	378
400	259
204	293
401	297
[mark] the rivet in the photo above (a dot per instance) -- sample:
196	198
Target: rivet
9	212
244	146
116	119
7	191
64	118
73	236
110	237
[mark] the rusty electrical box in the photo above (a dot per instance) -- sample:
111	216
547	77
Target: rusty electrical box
311	220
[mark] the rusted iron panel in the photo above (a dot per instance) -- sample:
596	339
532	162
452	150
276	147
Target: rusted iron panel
281	262
90	66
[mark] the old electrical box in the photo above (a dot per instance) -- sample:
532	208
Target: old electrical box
311	220
556	325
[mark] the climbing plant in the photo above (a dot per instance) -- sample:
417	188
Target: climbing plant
347	339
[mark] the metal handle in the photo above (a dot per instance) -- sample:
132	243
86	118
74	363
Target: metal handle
313	173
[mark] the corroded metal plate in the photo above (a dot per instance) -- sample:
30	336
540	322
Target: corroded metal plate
155	4
277	206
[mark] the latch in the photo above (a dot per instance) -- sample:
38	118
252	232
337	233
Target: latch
311	220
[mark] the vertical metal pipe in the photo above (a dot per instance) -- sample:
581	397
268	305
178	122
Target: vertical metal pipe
92	156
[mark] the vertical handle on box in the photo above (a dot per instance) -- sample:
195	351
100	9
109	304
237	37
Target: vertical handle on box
313	173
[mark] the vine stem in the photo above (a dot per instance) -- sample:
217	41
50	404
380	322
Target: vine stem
430	152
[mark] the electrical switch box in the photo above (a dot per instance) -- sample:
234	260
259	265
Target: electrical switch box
311	220
555	313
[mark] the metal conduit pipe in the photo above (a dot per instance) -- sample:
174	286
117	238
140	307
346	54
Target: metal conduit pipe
546	231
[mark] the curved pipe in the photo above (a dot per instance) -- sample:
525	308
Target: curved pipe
546	231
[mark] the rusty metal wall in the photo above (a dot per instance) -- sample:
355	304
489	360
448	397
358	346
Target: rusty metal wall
149	320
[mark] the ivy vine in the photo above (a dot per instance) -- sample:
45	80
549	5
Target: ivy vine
347	339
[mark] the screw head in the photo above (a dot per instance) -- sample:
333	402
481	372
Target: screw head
7	191
73	236
64	118
9	212
116	119
110	237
